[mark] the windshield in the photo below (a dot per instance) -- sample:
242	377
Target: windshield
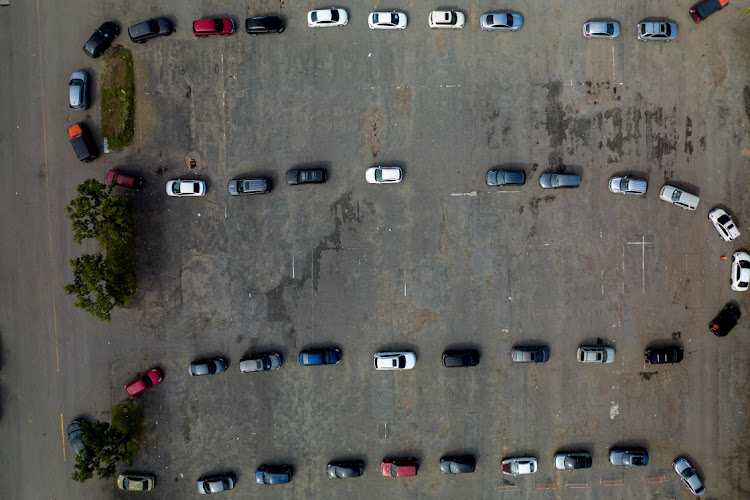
401	361
610	29
219	25
554	180
623	185
378	175
176	188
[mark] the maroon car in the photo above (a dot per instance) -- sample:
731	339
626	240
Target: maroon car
217	26
144	382
124	180
399	467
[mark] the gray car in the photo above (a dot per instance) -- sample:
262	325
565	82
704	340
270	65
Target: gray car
79	90
501	21
458	465
689	476
241	187
506	178
553	181
601	29
659	31
215	484
210	366
628	458
260	362
626	185
74	436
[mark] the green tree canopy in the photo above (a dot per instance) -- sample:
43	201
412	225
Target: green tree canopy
85	209
105	447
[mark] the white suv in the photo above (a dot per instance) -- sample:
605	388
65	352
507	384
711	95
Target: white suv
596	354
446	19
395	360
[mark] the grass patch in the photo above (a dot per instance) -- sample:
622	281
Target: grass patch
127	418
118	97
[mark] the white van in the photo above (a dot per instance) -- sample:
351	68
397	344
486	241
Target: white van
678	197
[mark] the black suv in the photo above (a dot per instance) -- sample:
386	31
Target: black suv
101	39
703	9
727	319
143	32
661	355
264	24
305	176
453	359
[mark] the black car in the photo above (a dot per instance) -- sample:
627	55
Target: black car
458	465
452	359
341	470
273	474
264	24
305	176
703	9
506	178
241	187
101	39
661	355
143	32
725	321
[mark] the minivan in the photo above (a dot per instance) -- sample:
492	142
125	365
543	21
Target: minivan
678	197
142	32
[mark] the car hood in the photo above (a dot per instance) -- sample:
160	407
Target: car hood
232	187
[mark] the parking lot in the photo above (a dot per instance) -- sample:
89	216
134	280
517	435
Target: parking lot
439	261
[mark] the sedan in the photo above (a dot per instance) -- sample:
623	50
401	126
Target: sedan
263	25
215	484
383	175
387	20
305	176
552	181
135	482
74	436
144	382
181	187
723	223
660	31
79	90
601	29
399	467
210	366
446	19
626	185
215	26
517	466
689	477
458	465
395	360
342	470
628	458
662	355
740	279
501	21
727	319
505	178
260	362
529	354
454	359
325	356
273	474
324	18
101	39
571	461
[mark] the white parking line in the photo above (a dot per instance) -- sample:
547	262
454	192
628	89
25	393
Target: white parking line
473	193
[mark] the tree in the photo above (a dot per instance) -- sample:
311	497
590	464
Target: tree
85	209
105	447
90	278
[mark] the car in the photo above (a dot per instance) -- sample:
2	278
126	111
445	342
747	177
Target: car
662	355
529	354
727	319
553	181
506	178
342	470
399	467
210	366
678	197
705	8
213	26
73	430
395	360
242	187
518	466
454	359
183	187
101	39
501	21
446	19
324	356
464	464
740	280
121	179
689	476
626	185
324	18
135	482
724	224
262	25
601	29
595	354
144	382
260	362
660	31
273	474
145	31
573	460
215	484
305	176
78	90
384	175
628	457
387	20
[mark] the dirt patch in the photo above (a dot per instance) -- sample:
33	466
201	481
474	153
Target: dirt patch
747	100
372	132
118	97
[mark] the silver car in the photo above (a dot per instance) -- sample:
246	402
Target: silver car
79	90
501	21
260	362
553	181
660	31
601	29
626	185
207	367
689	477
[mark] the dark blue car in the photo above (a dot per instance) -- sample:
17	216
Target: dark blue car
324	356
273	474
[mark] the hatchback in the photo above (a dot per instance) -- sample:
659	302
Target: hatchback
678	197
342	470
79	90
454	359
324	356
554	181
529	354
661	355
689	476
505	178
215	484
387	20
215	26
242	187
601	29
260	362
740	280
210	366
572	461
724	224
518	466
264	24
273	474
446	19
145	31
628	458
180	187
626	185
464	464
384	175
399	467
134	182
324	18
135	482
73	430
395	360
144	382
659	31
501	21
595	354
101	39
727	319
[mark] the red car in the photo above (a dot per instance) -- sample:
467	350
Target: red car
217	26
144	382
399	467
124	180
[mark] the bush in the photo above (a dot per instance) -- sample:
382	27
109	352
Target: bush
118	97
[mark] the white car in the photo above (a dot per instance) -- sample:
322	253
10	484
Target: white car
678	197
724	224
324	18
596	354
181	187
387	20
383	175
501	21
446	19
520	465
626	185
740	271
689	477
395	360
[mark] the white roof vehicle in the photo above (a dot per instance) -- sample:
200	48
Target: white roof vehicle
678	197
181	187
395	360
626	185
519	465
740	271
324	18
724	224
596	354
387	20
446	19
383	175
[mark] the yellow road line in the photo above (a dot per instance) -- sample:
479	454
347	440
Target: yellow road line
62	433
